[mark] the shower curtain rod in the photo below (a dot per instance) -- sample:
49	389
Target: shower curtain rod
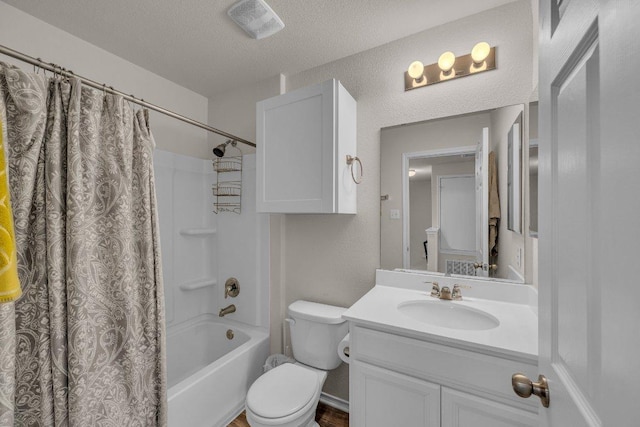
56	69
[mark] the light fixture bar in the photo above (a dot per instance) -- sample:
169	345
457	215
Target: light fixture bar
462	67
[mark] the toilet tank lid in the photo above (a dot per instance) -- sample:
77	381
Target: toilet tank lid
322	313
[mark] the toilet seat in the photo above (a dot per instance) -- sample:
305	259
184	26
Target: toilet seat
282	391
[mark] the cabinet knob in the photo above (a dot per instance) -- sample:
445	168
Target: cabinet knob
524	387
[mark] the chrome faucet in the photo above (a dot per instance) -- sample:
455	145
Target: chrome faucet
227	310
445	293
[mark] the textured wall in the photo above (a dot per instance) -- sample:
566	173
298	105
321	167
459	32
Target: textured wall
235	111
332	258
24	33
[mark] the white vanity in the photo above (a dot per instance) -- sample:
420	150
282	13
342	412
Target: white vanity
417	360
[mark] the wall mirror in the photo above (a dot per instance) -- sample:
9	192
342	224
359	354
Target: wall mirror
444	195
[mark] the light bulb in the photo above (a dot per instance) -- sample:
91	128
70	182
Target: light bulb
480	52
446	61
412	172
416	70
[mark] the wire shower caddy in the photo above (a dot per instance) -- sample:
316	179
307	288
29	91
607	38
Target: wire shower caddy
227	191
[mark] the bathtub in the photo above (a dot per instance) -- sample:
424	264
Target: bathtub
208	374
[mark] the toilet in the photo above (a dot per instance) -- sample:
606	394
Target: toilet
288	394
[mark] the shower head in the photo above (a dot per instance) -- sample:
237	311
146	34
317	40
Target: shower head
220	149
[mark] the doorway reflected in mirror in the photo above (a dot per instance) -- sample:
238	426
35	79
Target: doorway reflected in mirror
444	220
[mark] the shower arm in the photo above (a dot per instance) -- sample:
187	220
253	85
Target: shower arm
58	70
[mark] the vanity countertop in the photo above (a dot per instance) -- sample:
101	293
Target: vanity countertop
516	337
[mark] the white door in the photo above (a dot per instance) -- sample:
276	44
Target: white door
457	222
590	211
482	203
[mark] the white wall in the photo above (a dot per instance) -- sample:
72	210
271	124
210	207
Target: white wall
24	33
235	111
420	220
183	188
243	249
332	258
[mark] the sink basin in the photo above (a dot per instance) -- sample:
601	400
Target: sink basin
448	314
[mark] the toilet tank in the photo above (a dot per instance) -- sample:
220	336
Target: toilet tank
316	329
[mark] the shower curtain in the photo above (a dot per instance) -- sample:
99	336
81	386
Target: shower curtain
84	345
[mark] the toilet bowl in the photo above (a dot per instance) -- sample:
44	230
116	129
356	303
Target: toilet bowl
288	395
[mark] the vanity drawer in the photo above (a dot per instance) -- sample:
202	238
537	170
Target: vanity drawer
484	375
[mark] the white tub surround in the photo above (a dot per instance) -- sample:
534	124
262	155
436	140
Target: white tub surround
432	375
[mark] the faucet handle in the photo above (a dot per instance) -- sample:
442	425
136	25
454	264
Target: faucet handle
435	290
456	295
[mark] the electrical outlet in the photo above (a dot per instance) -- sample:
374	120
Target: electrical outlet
394	213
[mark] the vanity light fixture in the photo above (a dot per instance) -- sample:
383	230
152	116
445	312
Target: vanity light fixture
416	74
446	62
482	58
412	172
480	52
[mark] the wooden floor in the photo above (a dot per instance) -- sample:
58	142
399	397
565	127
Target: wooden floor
326	416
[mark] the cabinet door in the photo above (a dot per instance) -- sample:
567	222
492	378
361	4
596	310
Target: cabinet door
295	152
465	410
383	398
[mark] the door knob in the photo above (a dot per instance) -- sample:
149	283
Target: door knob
485	266
524	387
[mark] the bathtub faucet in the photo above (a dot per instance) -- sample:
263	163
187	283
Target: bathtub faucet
227	310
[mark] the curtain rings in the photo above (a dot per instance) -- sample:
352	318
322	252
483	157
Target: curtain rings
132	104
351	160
37	68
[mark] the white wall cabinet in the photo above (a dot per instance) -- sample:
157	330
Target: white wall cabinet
303	139
397	380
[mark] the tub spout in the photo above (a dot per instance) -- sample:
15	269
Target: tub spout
227	310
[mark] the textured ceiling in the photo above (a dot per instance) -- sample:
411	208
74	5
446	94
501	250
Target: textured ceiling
195	44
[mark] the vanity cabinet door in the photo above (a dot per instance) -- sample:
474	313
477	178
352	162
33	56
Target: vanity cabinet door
465	410
383	398
303	139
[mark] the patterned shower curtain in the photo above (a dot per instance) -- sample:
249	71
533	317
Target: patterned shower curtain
84	345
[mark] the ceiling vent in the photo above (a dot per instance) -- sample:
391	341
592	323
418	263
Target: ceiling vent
256	18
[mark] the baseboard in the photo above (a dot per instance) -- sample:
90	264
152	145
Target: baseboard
334	402
231	415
